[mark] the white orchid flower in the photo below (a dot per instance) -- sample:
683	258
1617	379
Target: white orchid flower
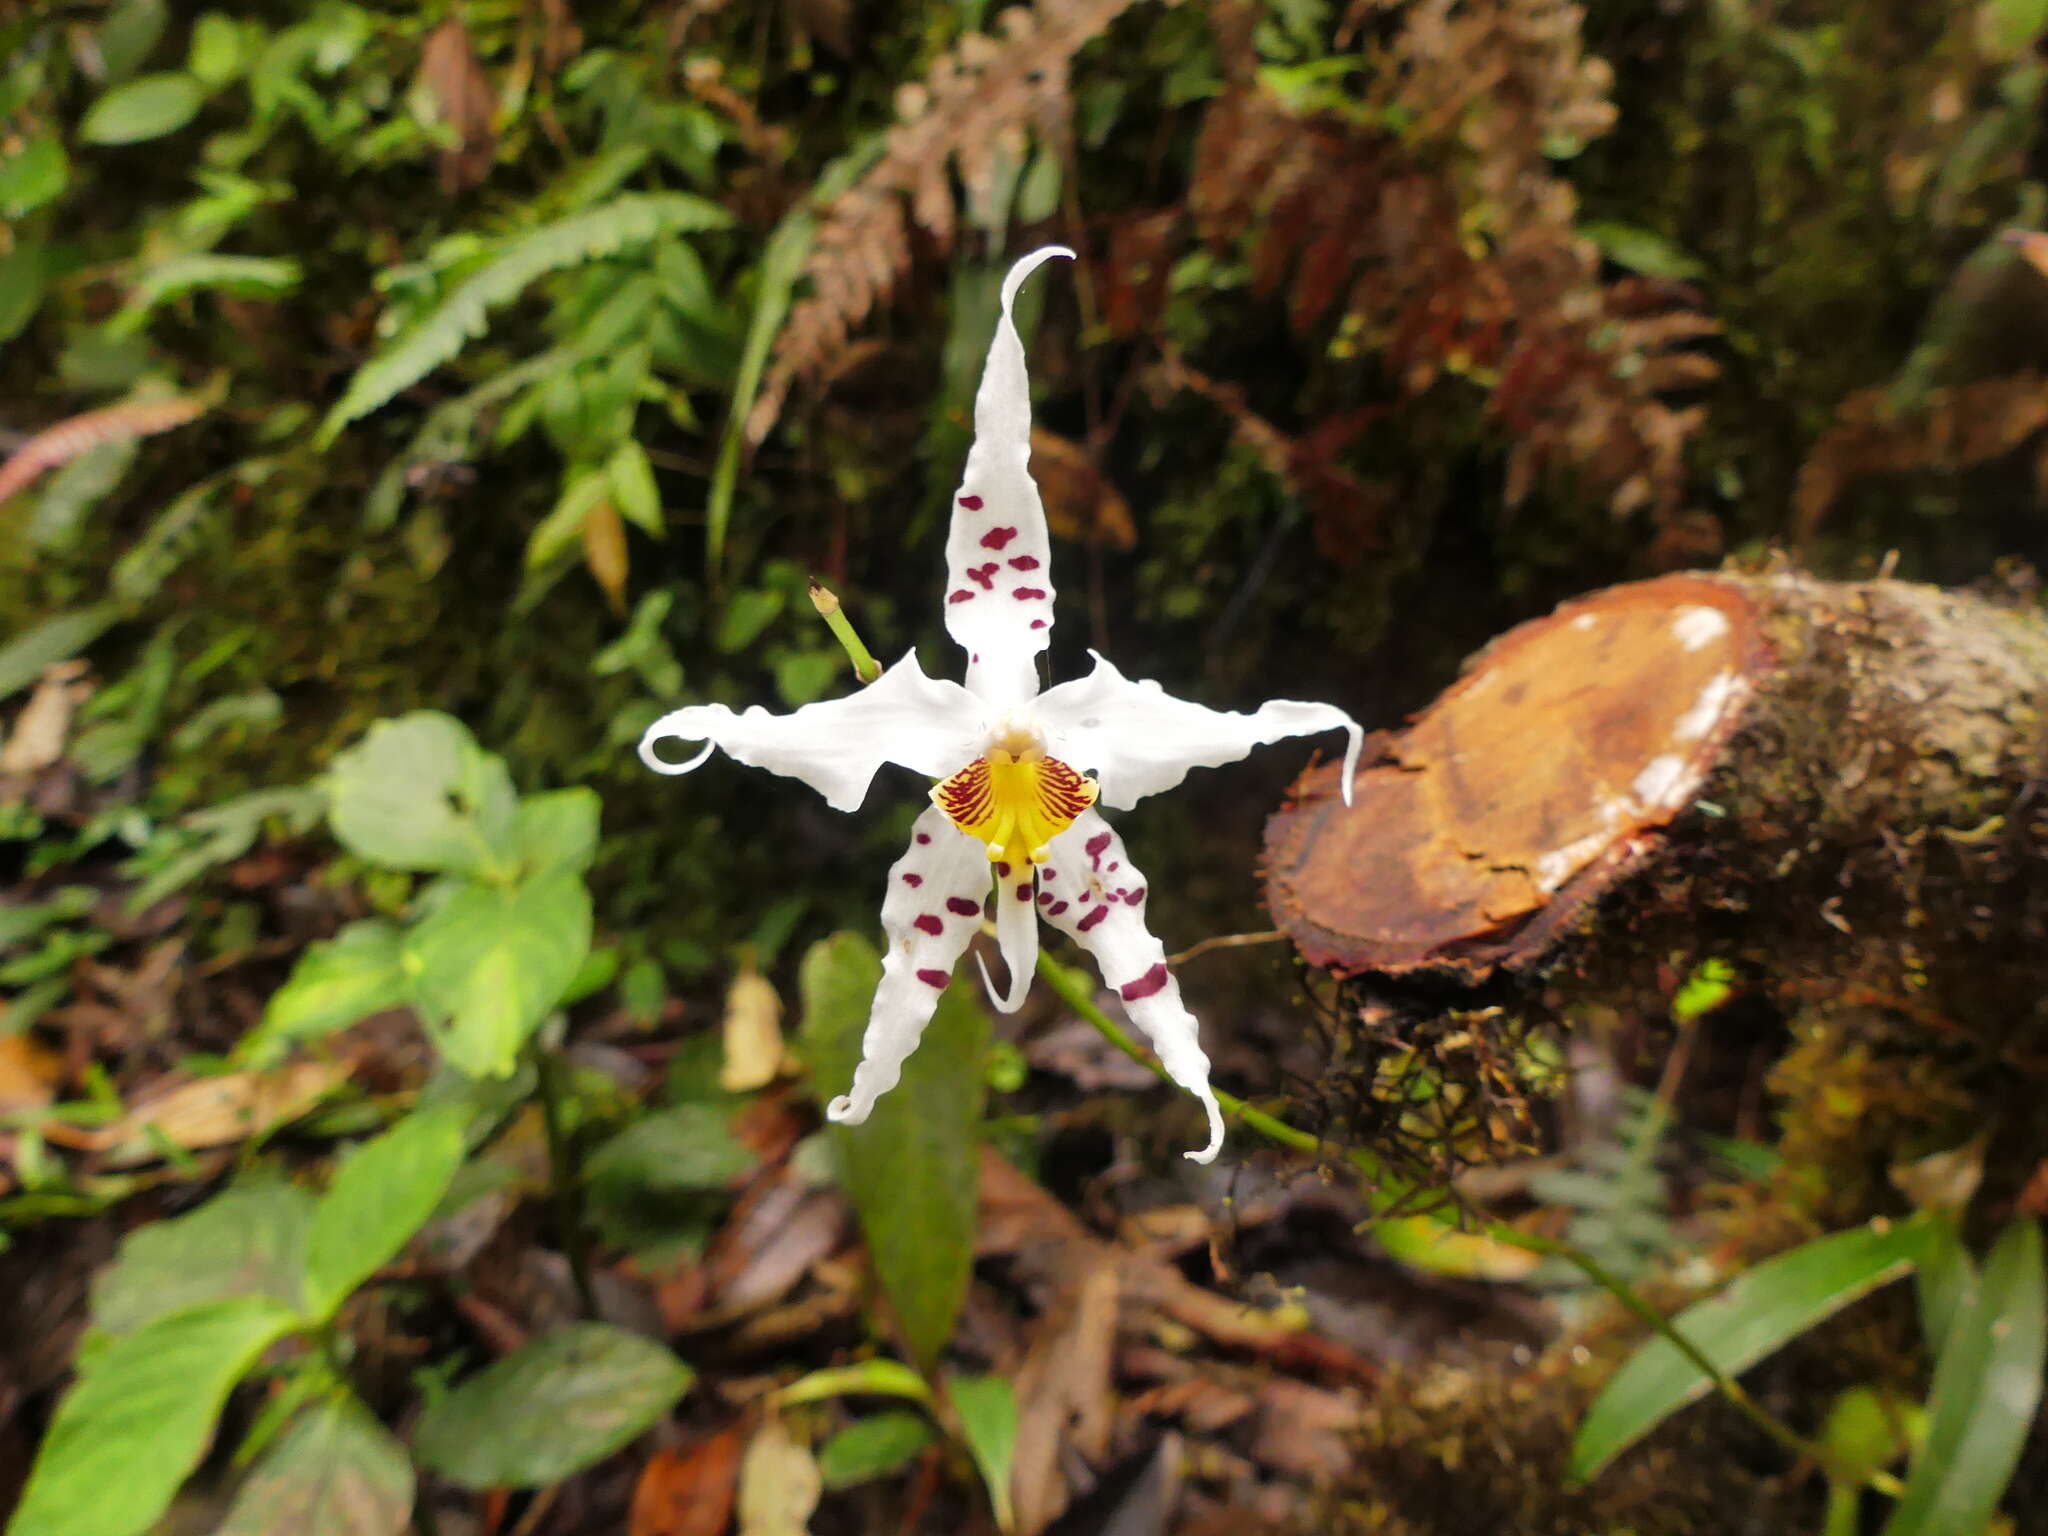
1013	803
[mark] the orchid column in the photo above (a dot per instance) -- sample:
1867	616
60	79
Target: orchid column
1013	817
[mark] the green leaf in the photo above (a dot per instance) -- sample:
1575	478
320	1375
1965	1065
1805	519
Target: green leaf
69	496
349	977
140	1417
565	1401
217	54
879	1377
873	1447
144	108
748	613
35	174
626	222
491	964
58	638
336	1472
1761	1310
1943	1276
249	277
633	488
1642	250
381	1195
988	1422
247	1241
556	830
419	793
911	1170
24	276
1987	1383
129	35
690	1147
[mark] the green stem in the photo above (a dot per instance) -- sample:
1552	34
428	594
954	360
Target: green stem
562	1180
826	601
1385	1188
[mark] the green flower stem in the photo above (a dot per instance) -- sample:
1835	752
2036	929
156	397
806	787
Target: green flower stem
562	1182
826	601
1384	1188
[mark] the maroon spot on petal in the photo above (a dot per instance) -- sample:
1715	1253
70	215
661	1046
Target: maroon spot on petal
1145	985
1003	870
924	837
1091	919
963	906
995	538
929	924
983	575
1024	891
939	979
1038	623
971	503
962	596
1114	866
913	881
1086	897
1134	897
1044	897
1096	845
1025	594
1045	872
1056	909
1024	563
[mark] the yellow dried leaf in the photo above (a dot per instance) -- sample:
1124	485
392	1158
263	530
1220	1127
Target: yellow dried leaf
753	1033
29	1073
604	551
215	1111
779	1484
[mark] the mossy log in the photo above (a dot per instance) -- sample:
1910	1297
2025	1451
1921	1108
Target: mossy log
1833	789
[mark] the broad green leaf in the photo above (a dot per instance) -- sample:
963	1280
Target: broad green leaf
58	638
349	977
633	488
130	33
137	1421
383	1192
68	496
217	54
1987	1384
568	1399
2015	24
35	174
336	1472
248	1241
556	830
419	793
873	1447
251	277
1642	250
912	1169
987	1407
749	611
144	108
1761	1310
690	1147
1944	1275
491	964
1433	1244
24	276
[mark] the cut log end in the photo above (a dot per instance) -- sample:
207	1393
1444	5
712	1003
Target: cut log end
1525	791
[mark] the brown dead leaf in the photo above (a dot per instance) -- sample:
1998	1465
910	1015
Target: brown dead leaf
753	1033
453	79
1305	1431
561	39
211	1112
689	1492
1064	1395
605	553
779	1484
29	1073
1080	503
775	1234
44	724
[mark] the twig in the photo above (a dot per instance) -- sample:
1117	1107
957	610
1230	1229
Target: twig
1226	941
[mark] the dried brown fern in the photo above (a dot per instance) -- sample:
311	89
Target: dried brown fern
1449	246
1955	429
59	445
979	101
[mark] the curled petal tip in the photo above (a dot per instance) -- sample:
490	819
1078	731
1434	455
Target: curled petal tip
1208	1154
1027	264
661	731
1355	738
841	1111
1010	1003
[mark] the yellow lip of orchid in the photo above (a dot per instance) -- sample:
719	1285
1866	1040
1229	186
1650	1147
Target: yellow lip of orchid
1016	800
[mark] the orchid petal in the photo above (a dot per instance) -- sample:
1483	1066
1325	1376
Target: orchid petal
931	912
998	558
930	725
1140	739
1016	934
1090	889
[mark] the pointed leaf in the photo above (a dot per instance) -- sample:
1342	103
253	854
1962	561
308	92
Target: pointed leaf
249	1240
873	1447
383	1192
349	977
987	1406
568	1399
912	1169
145	108
336	1472
140	1417
1987	1384
1761	1310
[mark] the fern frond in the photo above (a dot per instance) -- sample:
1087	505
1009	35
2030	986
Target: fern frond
975	106
630	220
